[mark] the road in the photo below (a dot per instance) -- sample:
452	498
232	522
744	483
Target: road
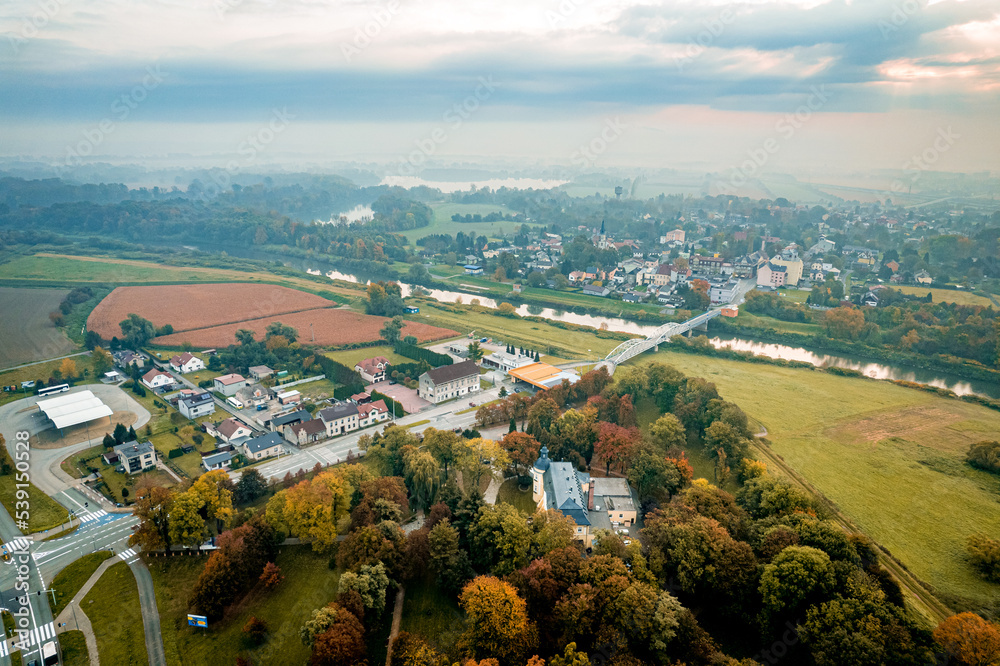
101	532
335	450
48	360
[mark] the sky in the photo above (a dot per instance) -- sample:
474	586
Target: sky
757	85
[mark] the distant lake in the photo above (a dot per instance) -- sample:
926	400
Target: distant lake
462	186
356	214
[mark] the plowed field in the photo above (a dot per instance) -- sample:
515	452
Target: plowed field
194	306
330	327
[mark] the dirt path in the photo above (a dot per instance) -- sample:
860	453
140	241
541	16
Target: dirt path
397	618
924	601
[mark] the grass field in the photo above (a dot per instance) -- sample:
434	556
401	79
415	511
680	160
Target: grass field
32	372
430	613
25	329
511	494
441	222
890	458
74	648
759	321
113	608
523	333
71	580
44	513
308	584
350	357
51	267
948	296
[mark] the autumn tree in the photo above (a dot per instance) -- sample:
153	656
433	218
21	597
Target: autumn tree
498	624
215	491
102	361
667	432
445	445
615	445
186	524
152	507
371	582
522	449
255	631
271	576
969	640
422	475
341	643
312	509
483	456
845	323
541	416
500	539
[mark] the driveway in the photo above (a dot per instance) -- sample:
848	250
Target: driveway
405	396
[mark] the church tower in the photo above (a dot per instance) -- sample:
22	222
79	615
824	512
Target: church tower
537	475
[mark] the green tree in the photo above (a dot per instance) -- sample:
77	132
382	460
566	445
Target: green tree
244	336
797	578
668	432
102	361
136	331
371	582
187	527
475	352
422	474
391	330
500	539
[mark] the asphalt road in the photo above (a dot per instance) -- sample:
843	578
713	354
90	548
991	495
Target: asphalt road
102	532
150	616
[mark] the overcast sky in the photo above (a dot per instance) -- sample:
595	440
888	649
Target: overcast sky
590	83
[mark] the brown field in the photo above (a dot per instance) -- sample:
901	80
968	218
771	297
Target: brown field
25	329
331	327
195	306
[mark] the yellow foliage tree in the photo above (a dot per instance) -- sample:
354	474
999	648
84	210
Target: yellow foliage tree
311	510
68	368
498	620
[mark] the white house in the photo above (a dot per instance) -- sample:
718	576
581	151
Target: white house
373	370
449	381
155	379
218	460
231	429
229	384
186	362
340	418
372	413
262	447
194	404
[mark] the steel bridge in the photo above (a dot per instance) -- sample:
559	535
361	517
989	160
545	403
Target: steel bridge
635	346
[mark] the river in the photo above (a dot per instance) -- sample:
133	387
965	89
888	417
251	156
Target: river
877	370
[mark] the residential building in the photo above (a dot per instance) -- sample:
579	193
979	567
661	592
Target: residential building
793	269
614	496
195	404
449	381
126	358
723	292
289	398
373	370
593	290
278	422
254	395
659	277
709	265
156	379
230	429
229	384
305	432
217	460
923	277
259	372
506	362
262	447
340	418
372	413
747	265
186	362
771	275
675	236
135	456
473	269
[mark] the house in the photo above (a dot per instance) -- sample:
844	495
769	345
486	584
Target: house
228	385
305	432
923	277
278	422
195	404
593	290
373	370
186	362
592	504
892	266
658	277
156	379
771	275
126	358
632	297
473	269
254	395
230	429
747	265
259	372
449	381
870	299
340	418
217	460
577	276
711	265
675	236
506	362
372	412
136	457
292	397
262	447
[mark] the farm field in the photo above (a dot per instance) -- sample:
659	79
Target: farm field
890	458
948	296
309	584
331	327
441	222
30	336
197	306
536	335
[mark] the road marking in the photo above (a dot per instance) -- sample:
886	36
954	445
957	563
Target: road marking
87	517
4	648
19	543
126	554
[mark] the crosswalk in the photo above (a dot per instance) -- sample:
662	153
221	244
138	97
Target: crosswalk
17	544
127	555
94	515
35	637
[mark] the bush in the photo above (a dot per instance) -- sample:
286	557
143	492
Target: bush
255	631
985	455
984	553
175	453
421	354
